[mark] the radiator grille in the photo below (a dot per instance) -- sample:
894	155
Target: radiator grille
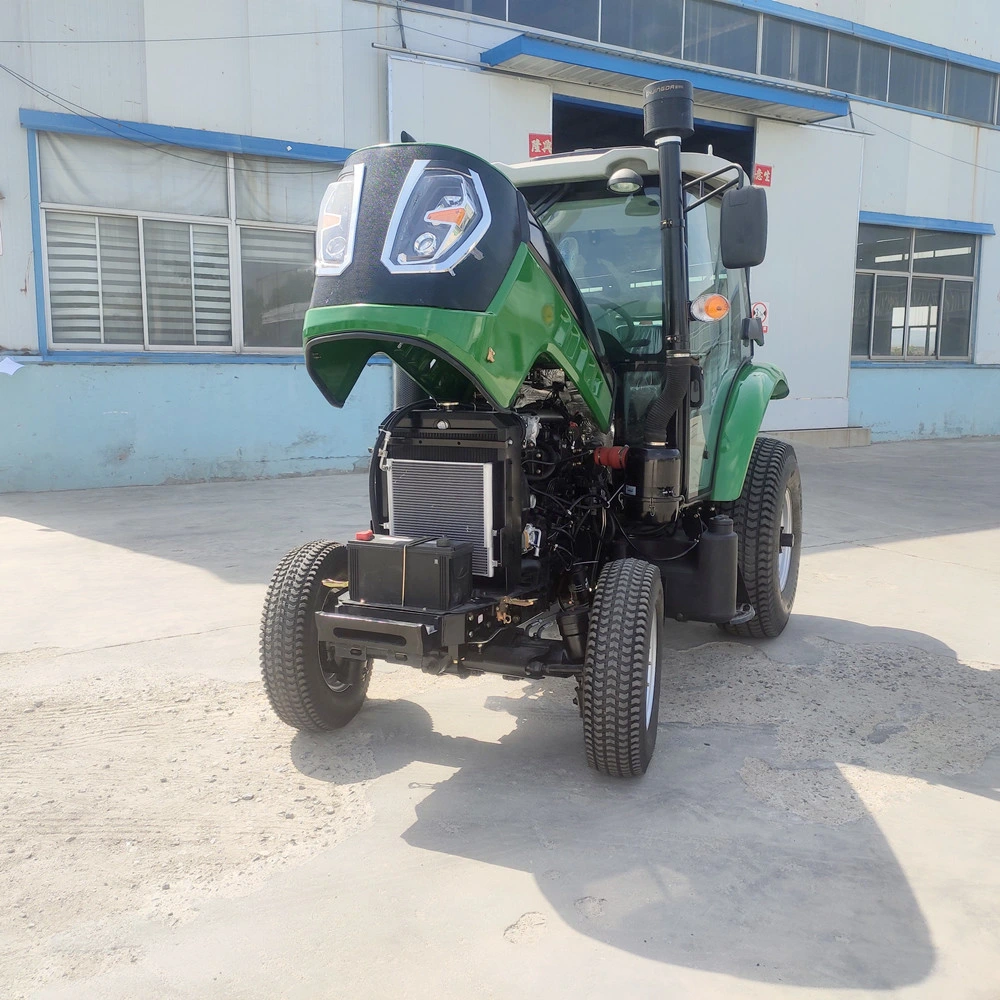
454	499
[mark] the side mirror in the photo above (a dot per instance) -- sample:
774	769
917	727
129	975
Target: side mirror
744	227
753	330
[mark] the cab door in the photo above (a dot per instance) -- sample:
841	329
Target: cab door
718	346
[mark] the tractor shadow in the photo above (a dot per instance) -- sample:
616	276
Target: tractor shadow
748	848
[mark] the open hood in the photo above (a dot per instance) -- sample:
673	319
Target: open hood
429	255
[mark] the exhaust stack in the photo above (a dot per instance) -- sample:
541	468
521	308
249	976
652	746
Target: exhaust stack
668	116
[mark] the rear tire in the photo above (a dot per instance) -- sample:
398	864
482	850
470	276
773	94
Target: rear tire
621	671
307	688
771	498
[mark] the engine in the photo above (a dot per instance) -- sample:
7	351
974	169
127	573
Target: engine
520	486
564	517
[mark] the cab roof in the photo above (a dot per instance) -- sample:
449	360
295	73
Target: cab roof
592	164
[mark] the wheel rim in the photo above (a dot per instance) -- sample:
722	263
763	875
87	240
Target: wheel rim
786	531
329	670
651	665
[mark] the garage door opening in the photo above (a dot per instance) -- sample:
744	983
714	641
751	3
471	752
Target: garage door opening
580	124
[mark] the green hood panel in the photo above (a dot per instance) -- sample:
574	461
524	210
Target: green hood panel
755	385
451	353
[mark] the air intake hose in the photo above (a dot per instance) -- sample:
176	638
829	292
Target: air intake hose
660	413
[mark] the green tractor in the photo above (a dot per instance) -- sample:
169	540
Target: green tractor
582	456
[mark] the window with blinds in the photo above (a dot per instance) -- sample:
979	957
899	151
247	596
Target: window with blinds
187	284
169	258
277	285
97	278
95	290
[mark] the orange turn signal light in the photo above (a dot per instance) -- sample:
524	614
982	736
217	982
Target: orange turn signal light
447	216
710	307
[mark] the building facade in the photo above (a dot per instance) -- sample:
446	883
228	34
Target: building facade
161	165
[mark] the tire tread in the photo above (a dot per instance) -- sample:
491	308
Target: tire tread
285	637
614	676
756	517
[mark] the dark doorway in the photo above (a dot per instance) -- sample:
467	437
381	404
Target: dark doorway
586	125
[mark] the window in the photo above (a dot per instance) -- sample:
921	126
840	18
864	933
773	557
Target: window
651	25
858	67
719	35
154	248
722	34
794	52
187	284
94	286
612	248
485	8
970	94
913	294
277	285
569	17
916	81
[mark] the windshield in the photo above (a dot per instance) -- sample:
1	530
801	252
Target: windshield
611	247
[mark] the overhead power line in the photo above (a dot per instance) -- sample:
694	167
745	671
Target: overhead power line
930	149
251	36
115	129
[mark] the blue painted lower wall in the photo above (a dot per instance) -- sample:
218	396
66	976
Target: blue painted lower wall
74	426
910	402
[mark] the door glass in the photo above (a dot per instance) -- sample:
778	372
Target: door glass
718	346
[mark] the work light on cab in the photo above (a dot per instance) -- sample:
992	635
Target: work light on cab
625	181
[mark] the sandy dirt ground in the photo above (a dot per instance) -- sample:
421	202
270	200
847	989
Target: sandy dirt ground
821	816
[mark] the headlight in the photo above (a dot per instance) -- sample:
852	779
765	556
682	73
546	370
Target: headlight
338	221
441	215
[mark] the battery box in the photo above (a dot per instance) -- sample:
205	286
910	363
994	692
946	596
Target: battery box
432	573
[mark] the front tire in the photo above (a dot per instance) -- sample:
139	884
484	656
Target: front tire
307	687
621	671
768	519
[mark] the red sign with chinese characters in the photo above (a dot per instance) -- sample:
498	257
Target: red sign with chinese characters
762	174
539	144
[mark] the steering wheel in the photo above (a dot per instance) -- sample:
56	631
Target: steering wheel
611	307
632	345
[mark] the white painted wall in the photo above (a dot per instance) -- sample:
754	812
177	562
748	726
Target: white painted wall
808	277
486	113
107	79
324	88
929	167
328	88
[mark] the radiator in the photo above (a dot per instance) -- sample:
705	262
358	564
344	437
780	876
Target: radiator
454	499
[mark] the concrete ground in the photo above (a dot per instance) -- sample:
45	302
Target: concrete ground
821	815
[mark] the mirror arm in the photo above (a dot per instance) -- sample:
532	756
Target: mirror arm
717	173
712	194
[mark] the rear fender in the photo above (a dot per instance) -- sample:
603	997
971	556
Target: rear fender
753	388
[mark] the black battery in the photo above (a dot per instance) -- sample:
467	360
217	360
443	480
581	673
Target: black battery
432	573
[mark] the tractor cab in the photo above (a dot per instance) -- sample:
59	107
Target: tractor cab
602	210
